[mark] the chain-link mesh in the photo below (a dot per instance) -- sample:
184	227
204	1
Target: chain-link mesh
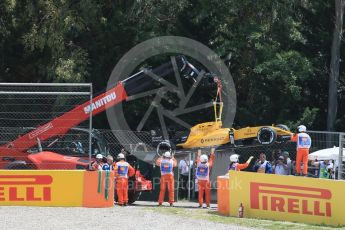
27	112
340	171
143	146
41	123
321	141
325	148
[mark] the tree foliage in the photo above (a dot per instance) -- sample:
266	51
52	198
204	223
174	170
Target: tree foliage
277	51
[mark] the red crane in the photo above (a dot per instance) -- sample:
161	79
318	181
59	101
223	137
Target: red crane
16	152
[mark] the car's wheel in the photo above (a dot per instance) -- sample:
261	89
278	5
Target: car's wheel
266	136
133	196
283	127
165	146
18	165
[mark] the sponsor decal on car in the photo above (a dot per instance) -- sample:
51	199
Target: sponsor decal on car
214	139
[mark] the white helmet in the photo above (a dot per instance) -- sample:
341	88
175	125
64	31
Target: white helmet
167	154
234	158
302	128
99	156
203	158
120	156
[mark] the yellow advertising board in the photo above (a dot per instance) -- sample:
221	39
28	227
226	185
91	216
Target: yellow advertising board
41	187
288	198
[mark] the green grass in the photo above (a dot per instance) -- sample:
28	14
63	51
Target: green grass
212	215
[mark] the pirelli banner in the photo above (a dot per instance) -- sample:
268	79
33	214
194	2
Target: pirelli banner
64	188
288	198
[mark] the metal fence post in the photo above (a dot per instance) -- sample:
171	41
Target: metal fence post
90	125
178	181
192	181
340	158
189	176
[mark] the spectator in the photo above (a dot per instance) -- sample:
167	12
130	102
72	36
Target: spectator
275	155
325	168
288	162
262	165
280	167
184	169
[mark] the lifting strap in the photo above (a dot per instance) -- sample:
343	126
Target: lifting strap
218	113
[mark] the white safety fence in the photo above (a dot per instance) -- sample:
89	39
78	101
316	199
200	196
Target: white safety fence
43	117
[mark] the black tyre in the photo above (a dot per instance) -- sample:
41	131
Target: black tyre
283	127
18	165
133	196
165	146
266	136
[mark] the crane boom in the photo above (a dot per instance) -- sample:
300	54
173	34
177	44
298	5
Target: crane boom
62	124
59	126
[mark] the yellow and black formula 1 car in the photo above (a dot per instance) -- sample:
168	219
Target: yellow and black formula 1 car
212	134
